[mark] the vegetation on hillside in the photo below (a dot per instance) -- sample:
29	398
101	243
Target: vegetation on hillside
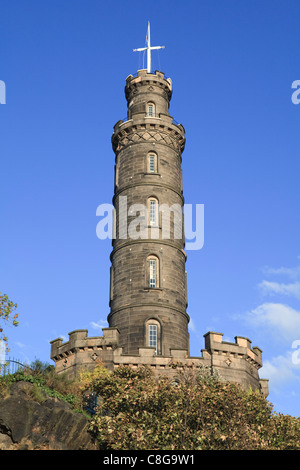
196	412
8	316
46	383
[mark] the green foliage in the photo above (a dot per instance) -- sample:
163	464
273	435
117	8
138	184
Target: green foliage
191	411
45	383
139	411
7	308
41	368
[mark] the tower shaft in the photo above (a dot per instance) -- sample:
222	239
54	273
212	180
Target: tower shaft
148	279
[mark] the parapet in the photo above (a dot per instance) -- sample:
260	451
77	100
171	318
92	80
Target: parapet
142	76
78	339
83	351
234	362
241	347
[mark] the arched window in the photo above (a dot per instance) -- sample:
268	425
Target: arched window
151	109
152	338
153	335
153	212
151	162
152	272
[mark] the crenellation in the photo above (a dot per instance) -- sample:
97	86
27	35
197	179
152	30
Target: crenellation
231	365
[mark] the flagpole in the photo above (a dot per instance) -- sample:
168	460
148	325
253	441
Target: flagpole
148	49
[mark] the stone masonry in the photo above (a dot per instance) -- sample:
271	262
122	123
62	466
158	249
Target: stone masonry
148	320
134	304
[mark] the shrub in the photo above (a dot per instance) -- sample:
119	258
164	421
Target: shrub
139	411
192	411
44	381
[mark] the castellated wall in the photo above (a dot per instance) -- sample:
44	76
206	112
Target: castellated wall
234	362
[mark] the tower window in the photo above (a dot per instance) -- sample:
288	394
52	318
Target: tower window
151	109
152	212
152	163
153	337
152	272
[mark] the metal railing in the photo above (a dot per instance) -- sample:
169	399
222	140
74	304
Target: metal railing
91	403
152	115
11	366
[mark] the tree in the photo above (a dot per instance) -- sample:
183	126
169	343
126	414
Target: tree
138	411
7	309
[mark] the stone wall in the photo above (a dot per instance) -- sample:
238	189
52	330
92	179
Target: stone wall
234	362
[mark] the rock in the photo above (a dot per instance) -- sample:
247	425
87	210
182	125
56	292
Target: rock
46	424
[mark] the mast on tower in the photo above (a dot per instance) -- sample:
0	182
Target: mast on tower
148	48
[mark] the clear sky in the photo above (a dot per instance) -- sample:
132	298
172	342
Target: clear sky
232	63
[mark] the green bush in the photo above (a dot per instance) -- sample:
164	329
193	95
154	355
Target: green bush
193	411
139	411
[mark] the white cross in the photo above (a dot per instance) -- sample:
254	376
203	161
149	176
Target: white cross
148	49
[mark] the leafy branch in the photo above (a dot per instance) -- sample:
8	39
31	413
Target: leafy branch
7	314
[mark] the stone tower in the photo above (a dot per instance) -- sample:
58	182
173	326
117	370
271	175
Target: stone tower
148	322
148	296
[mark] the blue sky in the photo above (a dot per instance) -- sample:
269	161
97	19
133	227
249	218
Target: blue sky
232	63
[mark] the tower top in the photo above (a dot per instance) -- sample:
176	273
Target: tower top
148	48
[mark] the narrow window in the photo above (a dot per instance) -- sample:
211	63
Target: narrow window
151	109
152	273
152	163
152	205
153	337
153	211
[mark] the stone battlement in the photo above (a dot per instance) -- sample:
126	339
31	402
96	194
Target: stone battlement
234	362
241	347
78	339
143	78
82	351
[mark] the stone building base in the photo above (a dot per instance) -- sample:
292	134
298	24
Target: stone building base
234	362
